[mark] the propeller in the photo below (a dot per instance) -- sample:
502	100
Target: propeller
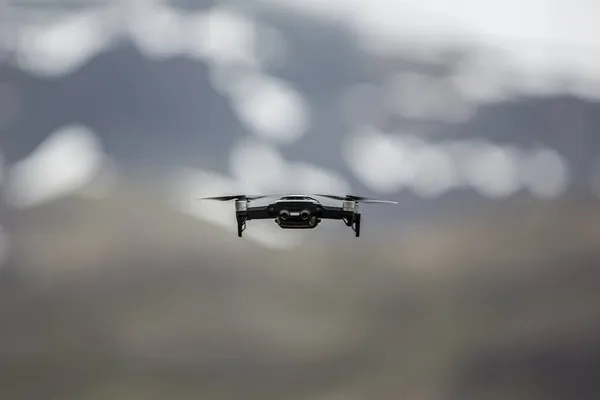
360	199
234	197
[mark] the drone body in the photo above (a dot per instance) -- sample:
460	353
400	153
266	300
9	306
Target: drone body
298	211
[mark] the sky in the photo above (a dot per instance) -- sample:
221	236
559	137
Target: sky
511	21
538	34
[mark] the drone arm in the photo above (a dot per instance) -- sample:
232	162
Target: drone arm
261	212
328	212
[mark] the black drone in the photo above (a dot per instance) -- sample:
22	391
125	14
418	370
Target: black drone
298	211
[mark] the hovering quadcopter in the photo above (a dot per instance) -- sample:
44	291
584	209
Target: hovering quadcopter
298	211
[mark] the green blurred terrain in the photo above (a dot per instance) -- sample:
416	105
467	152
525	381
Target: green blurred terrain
128	299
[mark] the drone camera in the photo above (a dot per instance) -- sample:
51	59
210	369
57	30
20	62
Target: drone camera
305	214
284	214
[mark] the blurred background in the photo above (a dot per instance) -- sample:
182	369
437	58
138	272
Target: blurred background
480	118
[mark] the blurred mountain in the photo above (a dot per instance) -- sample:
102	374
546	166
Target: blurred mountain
146	113
152	115
167	112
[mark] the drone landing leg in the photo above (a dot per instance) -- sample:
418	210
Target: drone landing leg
356	225
241	225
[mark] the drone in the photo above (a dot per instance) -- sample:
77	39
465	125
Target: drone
298	211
